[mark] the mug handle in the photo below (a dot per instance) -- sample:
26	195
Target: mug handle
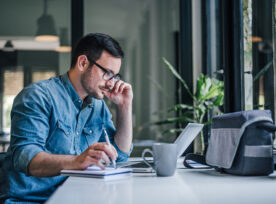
143	156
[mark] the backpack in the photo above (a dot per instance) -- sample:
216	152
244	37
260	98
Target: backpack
241	143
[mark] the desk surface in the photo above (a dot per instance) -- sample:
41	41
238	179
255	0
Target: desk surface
186	186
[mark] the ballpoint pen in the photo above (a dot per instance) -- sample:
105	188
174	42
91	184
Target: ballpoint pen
108	142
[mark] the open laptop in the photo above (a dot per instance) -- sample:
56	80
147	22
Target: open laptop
183	141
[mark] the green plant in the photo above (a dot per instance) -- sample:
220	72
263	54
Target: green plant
209	94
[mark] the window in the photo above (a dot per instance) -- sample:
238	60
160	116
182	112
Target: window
258	23
146	32
13	84
27	60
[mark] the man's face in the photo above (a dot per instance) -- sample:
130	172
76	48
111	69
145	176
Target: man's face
92	79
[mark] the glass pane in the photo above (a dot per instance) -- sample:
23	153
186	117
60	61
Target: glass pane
13	84
38	59
247	32
37	76
147	32
258	54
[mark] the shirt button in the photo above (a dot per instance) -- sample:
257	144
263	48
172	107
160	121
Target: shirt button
90	131
79	101
77	133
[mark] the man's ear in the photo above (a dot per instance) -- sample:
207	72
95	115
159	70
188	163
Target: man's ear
82	63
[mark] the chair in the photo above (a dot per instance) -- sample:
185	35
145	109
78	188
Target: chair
2	157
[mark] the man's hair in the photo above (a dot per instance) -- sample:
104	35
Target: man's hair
93	44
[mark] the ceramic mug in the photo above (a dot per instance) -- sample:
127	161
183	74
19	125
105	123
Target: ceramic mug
164	157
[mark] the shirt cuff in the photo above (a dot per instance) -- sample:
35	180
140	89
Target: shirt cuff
122	156
23	155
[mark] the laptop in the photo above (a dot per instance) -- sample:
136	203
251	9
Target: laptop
183	141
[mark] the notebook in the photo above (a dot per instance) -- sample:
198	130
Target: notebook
108	173
183	141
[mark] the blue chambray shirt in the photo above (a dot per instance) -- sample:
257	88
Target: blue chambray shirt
49	116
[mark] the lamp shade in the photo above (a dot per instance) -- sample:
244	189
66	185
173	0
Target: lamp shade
46	29
64	41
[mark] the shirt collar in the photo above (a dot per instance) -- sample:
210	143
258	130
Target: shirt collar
73	94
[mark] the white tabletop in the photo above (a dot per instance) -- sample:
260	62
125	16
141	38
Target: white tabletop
186	186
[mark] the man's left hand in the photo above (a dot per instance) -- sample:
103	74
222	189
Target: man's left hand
121	94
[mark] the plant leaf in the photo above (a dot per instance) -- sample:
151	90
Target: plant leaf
263	70
219	100
175	73
179	119
157	85
179	107
214	91
173	130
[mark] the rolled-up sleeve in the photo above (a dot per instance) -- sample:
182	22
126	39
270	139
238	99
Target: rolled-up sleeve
122	156
111	130
29	126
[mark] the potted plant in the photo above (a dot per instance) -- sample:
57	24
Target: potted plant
209	95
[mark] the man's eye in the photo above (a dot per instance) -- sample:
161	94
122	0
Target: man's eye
117	77
109	74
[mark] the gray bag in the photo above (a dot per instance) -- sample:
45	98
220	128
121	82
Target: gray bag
241	143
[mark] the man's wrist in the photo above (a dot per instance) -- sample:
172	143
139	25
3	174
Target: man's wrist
68	162
125	106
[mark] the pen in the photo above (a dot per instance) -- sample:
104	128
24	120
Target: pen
108	142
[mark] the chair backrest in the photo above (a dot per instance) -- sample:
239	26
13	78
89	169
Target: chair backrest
2	157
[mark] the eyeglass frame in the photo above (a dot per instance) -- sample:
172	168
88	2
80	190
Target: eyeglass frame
114	76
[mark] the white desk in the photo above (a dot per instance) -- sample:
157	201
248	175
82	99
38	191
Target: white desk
186	186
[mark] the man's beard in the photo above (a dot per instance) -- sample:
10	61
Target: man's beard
85	81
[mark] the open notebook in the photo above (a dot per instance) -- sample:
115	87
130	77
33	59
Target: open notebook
96	172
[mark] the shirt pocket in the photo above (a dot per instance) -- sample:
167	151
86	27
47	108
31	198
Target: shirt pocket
61	139
92	133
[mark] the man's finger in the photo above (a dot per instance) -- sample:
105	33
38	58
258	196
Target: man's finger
117	86
121	88
108	149
99	155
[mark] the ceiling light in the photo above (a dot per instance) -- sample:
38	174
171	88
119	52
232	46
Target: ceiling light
46	27
256	39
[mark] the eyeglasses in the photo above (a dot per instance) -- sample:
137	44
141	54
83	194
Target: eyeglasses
108	75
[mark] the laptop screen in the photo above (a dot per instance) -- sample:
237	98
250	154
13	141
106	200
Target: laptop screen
187	136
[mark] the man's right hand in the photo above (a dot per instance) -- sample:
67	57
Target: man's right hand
45	164
94	155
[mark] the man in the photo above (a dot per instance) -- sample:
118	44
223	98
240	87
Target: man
59	123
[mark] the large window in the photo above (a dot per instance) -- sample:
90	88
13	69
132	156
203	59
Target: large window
146	30
24	58
259	24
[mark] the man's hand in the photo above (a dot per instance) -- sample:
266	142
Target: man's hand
45	164
121	94
94	155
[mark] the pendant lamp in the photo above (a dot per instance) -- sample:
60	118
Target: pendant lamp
46	27
64	45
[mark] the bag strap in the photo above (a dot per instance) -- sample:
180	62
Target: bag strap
197	158
268	126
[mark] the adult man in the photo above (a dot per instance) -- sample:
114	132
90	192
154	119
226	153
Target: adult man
59	123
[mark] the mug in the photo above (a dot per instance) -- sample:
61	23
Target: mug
164	157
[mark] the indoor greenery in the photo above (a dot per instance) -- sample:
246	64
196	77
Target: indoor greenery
209	94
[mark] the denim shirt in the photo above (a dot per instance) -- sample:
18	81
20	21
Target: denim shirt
49	116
